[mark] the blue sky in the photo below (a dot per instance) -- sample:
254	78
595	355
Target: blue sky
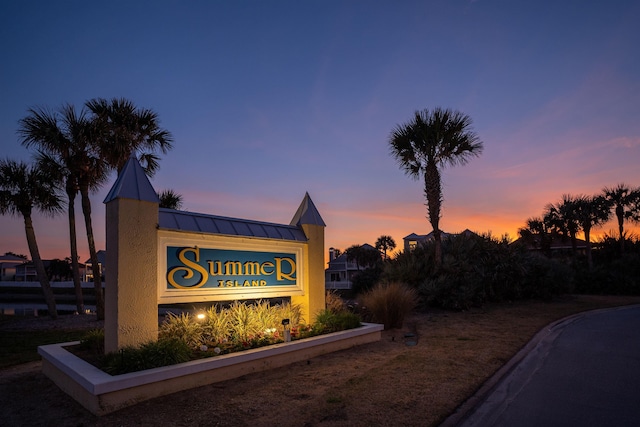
267	100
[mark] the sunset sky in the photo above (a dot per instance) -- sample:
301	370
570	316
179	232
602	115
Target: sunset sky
268	100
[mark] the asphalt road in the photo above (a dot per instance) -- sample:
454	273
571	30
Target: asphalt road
584	371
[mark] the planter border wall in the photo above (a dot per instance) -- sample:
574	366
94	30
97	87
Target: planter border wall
101	393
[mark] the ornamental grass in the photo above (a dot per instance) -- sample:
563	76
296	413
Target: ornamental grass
389	303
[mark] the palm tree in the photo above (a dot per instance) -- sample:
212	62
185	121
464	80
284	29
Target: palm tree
127	130
385	243
169	199
562	219
591	212
64	149
430	141
364	256
536	233
121	131
621	198
22	189
635	205
90	181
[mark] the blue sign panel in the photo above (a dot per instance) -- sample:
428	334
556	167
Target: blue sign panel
194	267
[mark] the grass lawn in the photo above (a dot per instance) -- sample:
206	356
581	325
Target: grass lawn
18	347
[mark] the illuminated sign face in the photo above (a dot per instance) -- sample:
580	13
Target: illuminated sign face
201	268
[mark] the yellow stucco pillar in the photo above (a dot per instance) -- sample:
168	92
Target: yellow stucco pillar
312	301
131	303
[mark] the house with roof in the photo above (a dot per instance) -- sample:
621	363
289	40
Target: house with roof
26	271
89	270
8	265
340	271
557	244
414	240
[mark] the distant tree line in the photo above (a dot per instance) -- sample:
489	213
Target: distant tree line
477	269
466	270
565	219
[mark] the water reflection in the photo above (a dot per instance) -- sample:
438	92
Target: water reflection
37	310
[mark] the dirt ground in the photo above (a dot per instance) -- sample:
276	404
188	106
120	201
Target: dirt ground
387	383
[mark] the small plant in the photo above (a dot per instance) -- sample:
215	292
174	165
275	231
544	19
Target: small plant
184	327
265	315
215	326
293	312
389	303
240	326
93	341
243	322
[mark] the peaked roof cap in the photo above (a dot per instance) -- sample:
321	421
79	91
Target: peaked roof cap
132	183
307	213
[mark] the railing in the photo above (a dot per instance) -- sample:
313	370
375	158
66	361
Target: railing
69	284
343	284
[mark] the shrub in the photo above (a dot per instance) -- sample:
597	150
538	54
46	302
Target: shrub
546	277
240	326
328	321
151	355
477	269
365	279
389	303
411	267
617	276
451	291
334	303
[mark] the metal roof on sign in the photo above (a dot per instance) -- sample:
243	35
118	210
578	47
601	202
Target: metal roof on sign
170	219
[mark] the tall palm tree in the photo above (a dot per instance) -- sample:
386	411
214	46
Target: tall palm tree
24	188
621	198
385	243
591	212
170	199
121	131
430	141
65	149
92	178
128	130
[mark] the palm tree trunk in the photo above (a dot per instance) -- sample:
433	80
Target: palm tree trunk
433	194
587	231
75	266
97	280
39	265
620	216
